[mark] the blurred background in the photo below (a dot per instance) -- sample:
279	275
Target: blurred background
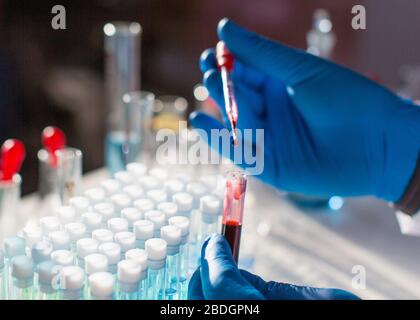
56	77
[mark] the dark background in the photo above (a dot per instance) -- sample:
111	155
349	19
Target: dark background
56	76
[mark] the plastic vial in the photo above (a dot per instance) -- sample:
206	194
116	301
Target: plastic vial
32	234
60	239
62	258
157	196
124	177
48	274
184	201
69	169
120	201
41	251
170	209
95	195
22	277
76	231
131	214
134	192
66	214
106	210
101	286
85	247
159	173
92	221
80	204
197	190
137	169
128	274
2	289
173	186
149	182
210	207
95	262
71	283
12	246
184	224
159	220
144	205
117	225
172	235
49	224
112	251
156	261
103	235
126	240
143	230
140	256
111	186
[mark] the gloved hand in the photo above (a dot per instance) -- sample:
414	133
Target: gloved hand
328	130
218	278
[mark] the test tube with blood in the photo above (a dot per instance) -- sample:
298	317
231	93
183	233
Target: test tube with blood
12	154
233	209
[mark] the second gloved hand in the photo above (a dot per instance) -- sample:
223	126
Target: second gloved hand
328	130
218	278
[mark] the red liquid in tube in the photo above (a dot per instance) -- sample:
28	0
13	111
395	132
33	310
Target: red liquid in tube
233	208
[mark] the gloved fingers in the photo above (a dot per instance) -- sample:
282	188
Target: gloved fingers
240	73
220	276
195	292
255	281
287	64
250	102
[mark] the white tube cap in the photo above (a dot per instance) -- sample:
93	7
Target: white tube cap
110	186
46	272
72	278
41	251
92	220
196	189
156	249
183	200
49	224
96	262
144	205
143	229
124	177
126	240
62	258
120	201
149	182
170	209
32	234
134	191
86	246
60	239
95	195
131	214
159	173
182	222
106	210
157	195
210	205
112	250
66	214
137	169
101	284
117	225
129	271
173	186
171	234
103	235
157	217
22	267
14	246
80	204
138	255
76	230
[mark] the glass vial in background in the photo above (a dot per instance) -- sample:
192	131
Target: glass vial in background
172	235
140	256
128	274
210	207
156	260
101	286
184	224
10	192
69	166
22	278
2	289
321	38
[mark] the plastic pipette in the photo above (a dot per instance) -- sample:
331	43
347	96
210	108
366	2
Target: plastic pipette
53	139
12	155
225	62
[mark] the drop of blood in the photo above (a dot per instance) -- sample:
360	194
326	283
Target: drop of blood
12	155
53	139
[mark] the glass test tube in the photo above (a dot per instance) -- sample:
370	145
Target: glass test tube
13	246
122	71
9	205
22	277
172	235
156	260
95	262
184	224
140	256
69	166
129	273
233	208
40	252
2	289
101	286
210	207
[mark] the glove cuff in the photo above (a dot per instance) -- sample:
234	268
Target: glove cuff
410	201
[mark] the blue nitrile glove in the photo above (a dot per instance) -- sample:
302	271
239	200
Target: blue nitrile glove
328	130
218	278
